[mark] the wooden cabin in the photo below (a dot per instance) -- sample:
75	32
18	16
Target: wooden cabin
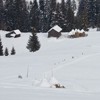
55	32
14	33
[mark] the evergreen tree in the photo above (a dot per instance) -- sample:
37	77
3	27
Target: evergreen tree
17	16
70	17
42	15
98	13
59	16
13	52
73	5
47	15
33	43
25	18
53	20
92	13
30	5
53	13
22	15
34	16
98	21
1	5
63	18
53	5
10	14
63	7
1	48
82	16
6	52
1	14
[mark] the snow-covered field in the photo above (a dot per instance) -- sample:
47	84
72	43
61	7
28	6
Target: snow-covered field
73	62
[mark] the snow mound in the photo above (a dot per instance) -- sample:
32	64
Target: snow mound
44	83
55	84
36	82
53	80
75	31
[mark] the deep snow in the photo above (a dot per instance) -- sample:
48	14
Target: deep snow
73	62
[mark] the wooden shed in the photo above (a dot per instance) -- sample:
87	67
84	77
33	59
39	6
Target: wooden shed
55	32
14	33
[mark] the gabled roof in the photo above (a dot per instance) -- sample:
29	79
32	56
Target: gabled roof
14	33
17	31
56	28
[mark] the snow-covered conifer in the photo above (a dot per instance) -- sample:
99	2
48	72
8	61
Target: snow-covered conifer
1	48
34	15
33	43
6	52
13	52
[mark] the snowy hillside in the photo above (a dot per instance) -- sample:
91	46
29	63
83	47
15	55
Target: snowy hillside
73	63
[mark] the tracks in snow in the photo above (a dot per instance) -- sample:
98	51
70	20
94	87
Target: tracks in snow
72	62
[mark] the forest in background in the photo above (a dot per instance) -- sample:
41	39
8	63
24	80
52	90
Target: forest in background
42	15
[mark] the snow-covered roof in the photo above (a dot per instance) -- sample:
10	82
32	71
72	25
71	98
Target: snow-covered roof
71	32
82	31
17	31
74	31
56	28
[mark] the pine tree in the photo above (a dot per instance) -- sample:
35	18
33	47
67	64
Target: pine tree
92	13
63	7
82	16
70	17
53	5
10	14
63	18
53	20
1	5
42	15
73	5
47	15
13	52
98	21
25	18
22	15
6	52
17	16
53	13
33	43
1	48
1	14
98	13
34	16
59	16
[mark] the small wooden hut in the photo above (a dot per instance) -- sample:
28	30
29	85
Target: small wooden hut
14	33
55	32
